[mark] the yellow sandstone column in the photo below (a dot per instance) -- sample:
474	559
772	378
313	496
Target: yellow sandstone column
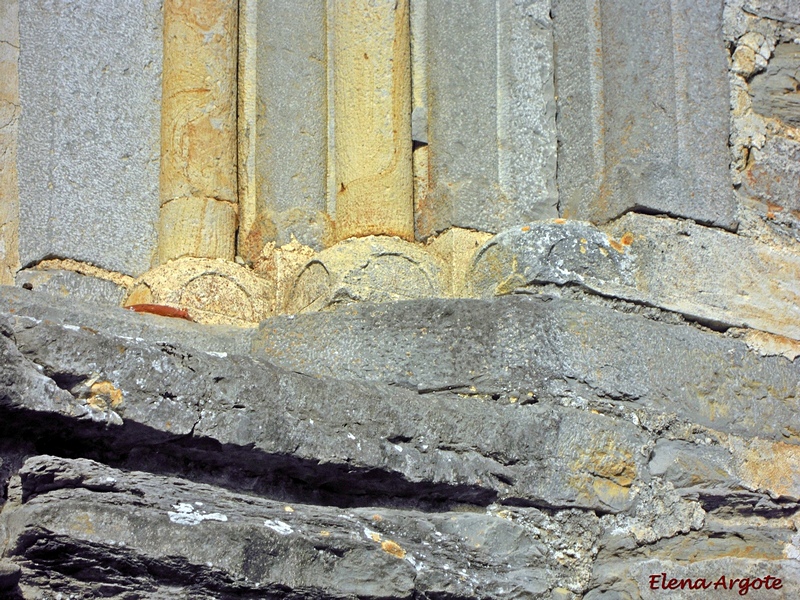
9	118
372	126
198	130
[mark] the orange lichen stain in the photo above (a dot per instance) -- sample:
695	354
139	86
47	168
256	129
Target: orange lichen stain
376	537
559	221
325	533
392	548
627	239
377	518
526	228
103	395
772	208
604	470
616	246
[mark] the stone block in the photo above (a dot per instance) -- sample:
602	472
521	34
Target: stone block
89	145
643	103
686	465
370	269
284	129
213	291
769	467
705	274
775	91
291	430
780	10
58	282
491	115
524	350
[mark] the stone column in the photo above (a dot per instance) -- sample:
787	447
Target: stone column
643	117
372	108
198	130
490	114
283	128
9	118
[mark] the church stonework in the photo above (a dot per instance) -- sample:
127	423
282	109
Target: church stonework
429	299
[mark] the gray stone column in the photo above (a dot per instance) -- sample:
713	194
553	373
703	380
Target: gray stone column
490	114
283	130
643	100
90	87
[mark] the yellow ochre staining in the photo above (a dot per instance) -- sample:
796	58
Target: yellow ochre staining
392	548
104	395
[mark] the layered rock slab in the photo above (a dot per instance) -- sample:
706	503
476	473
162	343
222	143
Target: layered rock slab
24	306
146	533
536	349
705	274
349	440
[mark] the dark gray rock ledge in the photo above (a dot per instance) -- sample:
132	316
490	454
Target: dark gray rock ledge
516	447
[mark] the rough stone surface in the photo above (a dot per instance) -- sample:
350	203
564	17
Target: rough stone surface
213	291
528	350
773	176
157	532
643	110
776	92
90	82
427	448
708	275
491	115
34	306
370	269
227	477
780	10
74	285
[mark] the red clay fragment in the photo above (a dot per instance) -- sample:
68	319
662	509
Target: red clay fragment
160	309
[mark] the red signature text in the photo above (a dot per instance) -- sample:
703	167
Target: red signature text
741	584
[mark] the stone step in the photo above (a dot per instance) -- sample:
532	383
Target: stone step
526	349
